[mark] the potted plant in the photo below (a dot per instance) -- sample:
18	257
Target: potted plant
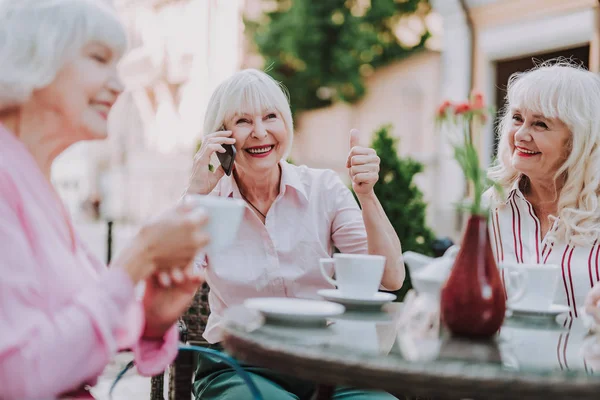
472	301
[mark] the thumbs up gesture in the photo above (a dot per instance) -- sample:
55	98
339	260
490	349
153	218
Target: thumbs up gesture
363	165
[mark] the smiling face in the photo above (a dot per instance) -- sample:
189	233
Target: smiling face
261	139
83	93
255	108
538	145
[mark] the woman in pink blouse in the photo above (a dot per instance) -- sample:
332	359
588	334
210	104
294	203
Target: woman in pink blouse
63	314
294	216
548	163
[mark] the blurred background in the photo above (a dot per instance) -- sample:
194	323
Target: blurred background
381	66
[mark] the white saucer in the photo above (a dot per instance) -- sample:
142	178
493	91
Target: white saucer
553	311
335	295
285	309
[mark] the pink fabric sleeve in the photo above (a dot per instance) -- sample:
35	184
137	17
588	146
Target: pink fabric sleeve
43	351
44	354
348	227
151	356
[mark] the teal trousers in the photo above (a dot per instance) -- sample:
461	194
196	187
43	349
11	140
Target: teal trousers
216	380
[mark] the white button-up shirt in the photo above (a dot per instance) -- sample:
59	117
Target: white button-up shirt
515	233
313	213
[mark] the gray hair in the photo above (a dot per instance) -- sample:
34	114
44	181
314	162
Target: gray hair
559	89
248	91
38	37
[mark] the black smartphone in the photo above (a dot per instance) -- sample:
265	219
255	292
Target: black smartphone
226	159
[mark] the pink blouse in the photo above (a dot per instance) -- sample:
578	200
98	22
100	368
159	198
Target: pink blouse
63	314
314	212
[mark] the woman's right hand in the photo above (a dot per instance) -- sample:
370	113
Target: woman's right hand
202	180
169	242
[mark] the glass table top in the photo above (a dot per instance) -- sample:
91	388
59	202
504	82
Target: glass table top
524	345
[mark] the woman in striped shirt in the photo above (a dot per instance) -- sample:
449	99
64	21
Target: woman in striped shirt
548	163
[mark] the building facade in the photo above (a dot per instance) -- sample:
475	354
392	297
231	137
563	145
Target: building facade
179	51
182	49
485	41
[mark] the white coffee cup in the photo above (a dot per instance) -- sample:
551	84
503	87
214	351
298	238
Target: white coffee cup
224	218
538	282
357	275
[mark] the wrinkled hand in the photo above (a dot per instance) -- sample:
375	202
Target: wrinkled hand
202	180
363	165
169	241
592	303
163	305
174	238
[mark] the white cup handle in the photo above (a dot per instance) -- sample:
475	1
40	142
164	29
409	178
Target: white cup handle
322	263
521	286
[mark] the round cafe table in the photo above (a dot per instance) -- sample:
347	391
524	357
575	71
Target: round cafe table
528	359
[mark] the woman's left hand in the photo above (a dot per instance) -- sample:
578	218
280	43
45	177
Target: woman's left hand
164	302
363	164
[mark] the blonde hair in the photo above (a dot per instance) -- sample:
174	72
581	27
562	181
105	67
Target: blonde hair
38	37
248	91
559	89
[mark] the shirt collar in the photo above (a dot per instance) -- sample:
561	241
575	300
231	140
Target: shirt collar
289	178
7	138
10	143
515	190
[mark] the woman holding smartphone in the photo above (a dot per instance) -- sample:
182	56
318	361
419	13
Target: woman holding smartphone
294	217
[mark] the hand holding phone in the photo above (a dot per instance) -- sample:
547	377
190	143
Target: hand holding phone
203	180
226	159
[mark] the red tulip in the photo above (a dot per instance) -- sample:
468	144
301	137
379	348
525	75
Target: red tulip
443	107
477	102
462	108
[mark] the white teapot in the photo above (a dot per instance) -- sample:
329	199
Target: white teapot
428	274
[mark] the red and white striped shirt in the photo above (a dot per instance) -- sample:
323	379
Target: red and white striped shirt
515	233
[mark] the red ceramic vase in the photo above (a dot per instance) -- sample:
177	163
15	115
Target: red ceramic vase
472	299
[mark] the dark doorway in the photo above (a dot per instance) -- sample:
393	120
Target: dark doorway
505	68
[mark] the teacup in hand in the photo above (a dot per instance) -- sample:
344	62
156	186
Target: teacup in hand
225	216
530	286
357	275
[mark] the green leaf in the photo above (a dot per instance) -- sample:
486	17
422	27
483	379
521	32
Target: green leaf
467	157
319	59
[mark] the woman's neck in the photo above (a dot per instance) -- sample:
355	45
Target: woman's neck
543	194
261	188
40	134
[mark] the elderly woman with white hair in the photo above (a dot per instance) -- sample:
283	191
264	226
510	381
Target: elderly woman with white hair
295	215
548	166
63	314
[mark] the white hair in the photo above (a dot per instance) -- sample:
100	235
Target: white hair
562	90
248	91
38	37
